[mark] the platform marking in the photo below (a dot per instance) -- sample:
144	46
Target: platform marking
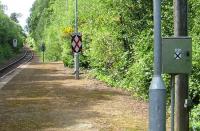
10	75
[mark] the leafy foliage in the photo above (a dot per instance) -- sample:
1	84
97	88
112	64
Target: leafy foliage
9	30
14	16
195	119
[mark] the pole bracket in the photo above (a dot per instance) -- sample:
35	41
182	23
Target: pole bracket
188	103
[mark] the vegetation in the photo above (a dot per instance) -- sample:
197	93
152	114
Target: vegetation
9	30
117	39
14	16
195	118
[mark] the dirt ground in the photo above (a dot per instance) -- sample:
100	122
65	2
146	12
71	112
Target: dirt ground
45	97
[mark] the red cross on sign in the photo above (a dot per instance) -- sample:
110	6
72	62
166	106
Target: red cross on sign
76	42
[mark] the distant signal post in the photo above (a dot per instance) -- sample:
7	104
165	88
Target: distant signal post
43	48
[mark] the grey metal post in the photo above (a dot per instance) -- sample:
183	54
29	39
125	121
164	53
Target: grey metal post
76	65
157	91
43	56
172	100
182	80
67	7
76	55
76	16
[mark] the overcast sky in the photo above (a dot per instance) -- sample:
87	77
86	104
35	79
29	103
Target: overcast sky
19	6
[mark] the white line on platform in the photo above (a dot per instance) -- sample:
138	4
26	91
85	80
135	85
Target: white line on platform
10	75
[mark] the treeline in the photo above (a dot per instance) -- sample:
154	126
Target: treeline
9	30
117	39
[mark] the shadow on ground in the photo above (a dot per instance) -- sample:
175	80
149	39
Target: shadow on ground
44	96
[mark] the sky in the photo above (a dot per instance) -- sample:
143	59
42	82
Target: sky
19	6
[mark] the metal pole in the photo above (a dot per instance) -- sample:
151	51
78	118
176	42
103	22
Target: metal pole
157	91
76	16
67	7
182	80
76	55
172	83
43	56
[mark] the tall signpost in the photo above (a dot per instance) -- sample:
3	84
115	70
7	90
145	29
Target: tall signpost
181	87
157	91
76	43
76	54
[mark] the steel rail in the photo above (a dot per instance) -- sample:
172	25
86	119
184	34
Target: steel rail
15	62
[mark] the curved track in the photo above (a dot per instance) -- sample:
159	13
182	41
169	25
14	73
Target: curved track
7	69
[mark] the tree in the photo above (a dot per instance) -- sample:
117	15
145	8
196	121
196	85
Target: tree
14	16
2	7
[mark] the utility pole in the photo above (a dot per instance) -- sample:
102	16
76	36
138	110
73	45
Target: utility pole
157	91
76	55
181	86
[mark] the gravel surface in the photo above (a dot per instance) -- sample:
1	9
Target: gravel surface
46	97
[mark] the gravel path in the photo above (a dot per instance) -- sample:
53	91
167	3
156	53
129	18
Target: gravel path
45	97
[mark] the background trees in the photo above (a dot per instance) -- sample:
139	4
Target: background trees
14	16
9	30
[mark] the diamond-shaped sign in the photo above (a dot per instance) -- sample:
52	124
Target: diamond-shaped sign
76	42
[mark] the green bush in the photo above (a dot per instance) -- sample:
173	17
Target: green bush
194	33
5	52
195	118
9	30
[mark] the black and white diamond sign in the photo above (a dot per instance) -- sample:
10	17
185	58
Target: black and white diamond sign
76	42
178	54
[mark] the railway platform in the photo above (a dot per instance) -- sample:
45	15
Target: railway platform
46	97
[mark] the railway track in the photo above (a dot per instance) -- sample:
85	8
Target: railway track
7	69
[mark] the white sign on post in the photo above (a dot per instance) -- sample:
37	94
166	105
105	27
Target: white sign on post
14	43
